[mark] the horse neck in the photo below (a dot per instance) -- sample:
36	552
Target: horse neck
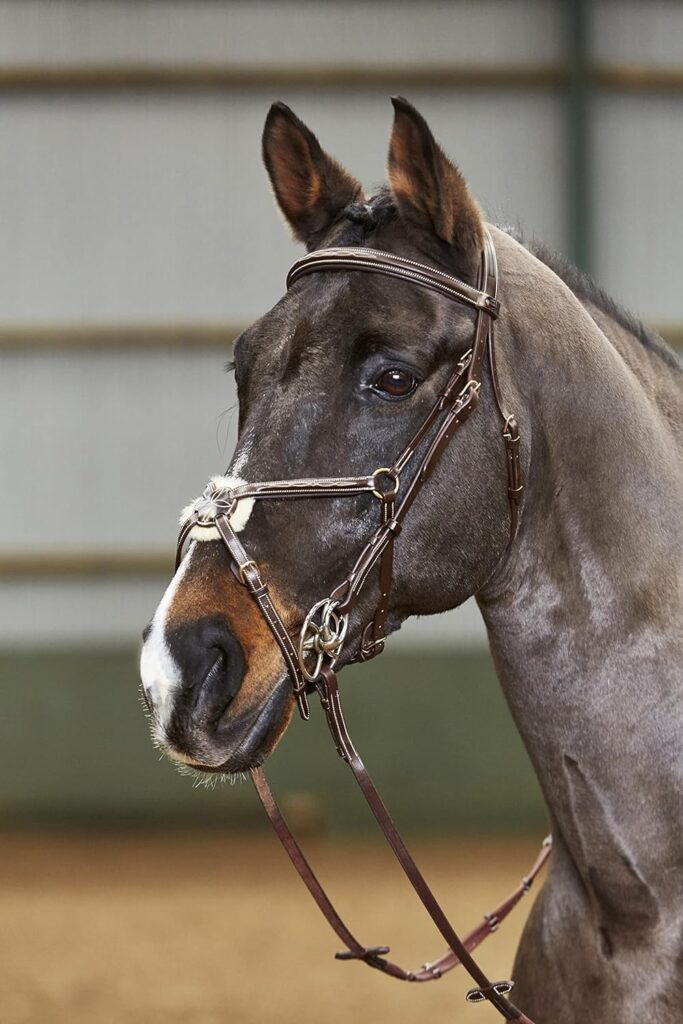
584	618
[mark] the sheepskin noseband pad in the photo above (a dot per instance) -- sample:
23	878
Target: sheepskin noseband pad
212	502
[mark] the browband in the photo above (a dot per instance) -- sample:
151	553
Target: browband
387	263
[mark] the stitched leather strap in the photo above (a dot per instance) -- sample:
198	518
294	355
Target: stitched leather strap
374	956
250	576
391	265
331	702
459	950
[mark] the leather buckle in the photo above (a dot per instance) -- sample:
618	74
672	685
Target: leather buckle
472	386
241	569
371	650
510	429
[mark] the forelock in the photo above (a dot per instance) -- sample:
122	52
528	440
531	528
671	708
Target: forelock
360	220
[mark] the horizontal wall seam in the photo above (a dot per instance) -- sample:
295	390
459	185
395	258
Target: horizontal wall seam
266	76
130	76
85	563
124	335
112	336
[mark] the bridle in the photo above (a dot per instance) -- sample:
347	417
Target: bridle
324	628
311	657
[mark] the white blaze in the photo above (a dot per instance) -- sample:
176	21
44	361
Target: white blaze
159	670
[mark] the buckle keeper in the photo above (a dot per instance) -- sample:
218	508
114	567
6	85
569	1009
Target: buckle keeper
481	995
370	954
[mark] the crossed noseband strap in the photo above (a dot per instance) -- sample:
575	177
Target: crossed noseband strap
312	650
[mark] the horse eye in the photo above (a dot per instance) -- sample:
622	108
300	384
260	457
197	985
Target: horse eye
395	383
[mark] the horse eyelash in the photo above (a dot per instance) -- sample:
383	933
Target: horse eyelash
230	366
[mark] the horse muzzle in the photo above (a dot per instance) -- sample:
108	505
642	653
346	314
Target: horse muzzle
201	714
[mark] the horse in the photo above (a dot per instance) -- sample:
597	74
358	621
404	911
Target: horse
582	599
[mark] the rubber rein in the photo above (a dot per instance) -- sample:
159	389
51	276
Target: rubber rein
311	657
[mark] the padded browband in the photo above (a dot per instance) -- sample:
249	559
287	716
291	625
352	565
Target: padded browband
387	263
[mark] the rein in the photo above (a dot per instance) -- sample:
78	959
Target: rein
311	658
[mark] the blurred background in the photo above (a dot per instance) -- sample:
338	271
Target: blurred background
139	237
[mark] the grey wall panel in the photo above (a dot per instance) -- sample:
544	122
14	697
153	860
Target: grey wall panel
114	611
113	445
76	612
638	194
57	32
156	206
153	206
631	31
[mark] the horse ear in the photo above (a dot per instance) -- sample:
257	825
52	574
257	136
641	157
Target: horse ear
430	192
310	187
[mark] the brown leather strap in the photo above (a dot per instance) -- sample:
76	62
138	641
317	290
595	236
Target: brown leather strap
329	696
511	435
374	956
374	634
391	265
458	949
494	918
458	412
445	399
250	576
323	487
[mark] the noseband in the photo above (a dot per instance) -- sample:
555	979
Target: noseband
311	656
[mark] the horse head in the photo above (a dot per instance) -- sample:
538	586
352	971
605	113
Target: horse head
333	381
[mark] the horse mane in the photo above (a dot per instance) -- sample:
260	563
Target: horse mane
587	289
360	219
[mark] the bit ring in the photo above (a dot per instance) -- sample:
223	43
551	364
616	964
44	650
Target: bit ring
323	639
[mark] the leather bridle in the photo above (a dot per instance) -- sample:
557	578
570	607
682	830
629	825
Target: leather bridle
311	657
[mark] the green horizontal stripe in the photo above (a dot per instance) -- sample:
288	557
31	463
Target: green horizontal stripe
434	728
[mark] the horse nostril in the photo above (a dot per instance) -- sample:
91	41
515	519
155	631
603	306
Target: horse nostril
215	661
212	665
214	692
218	665
217	688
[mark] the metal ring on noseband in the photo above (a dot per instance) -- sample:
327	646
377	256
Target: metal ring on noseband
385	471
323	638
